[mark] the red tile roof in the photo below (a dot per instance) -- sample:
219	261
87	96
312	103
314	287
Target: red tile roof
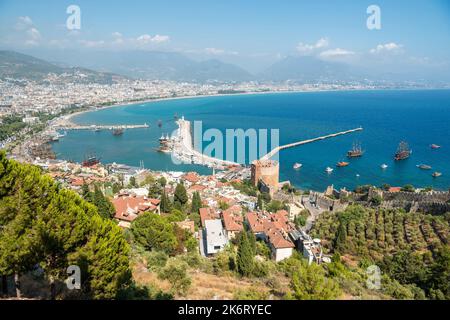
232	219
207	214
197	187
192	177
274	225
129	208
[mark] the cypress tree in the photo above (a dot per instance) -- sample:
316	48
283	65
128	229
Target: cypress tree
155	190
165	204
244	256
196	202
340	243
252	241
180	196
104	206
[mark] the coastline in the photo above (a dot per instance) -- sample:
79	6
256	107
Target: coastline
148	109
149	101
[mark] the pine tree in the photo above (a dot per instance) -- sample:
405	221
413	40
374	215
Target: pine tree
103	260
60	231
154	232
180	196
196	202
24	194
45	225
244	256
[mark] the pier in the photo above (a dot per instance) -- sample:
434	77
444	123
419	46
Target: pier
299	143
102	127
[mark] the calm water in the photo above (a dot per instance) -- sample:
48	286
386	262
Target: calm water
418	117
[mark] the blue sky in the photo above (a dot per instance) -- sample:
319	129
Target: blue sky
249	32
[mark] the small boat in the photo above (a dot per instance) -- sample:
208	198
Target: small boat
117	132
342	164
357	175
329	170
403	151
424	167
435	146
384	166
297	166
437	174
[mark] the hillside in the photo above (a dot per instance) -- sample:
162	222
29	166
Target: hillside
305	68
153	65
19	66
374	233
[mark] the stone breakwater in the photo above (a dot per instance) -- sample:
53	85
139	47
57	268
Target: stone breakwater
183	149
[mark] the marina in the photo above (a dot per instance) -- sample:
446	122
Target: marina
298	120
96	127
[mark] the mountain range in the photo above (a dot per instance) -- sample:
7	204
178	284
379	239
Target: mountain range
16	65
152	65
106	67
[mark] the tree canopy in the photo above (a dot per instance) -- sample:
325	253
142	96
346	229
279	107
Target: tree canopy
54	228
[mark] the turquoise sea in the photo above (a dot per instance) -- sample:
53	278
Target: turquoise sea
388	117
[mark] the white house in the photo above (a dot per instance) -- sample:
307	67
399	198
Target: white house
216	238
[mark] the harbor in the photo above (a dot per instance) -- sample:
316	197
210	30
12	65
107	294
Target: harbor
96	127
378	146
182	148
299	143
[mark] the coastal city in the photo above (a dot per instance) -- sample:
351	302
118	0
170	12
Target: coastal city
138	167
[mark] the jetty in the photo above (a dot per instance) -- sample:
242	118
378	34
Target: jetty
299	143
183	148
103	127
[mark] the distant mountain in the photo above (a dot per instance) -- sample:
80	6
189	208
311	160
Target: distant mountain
20	66
306	68
153	65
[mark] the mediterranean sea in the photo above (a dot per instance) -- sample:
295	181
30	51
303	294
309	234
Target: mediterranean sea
419	117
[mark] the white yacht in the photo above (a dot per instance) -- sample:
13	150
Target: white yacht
297	166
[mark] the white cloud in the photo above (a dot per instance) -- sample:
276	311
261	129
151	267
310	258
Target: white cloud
387	47
34	34
27	32
306	49
148	39
336	53
160	39
23	23
92	43
217	52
